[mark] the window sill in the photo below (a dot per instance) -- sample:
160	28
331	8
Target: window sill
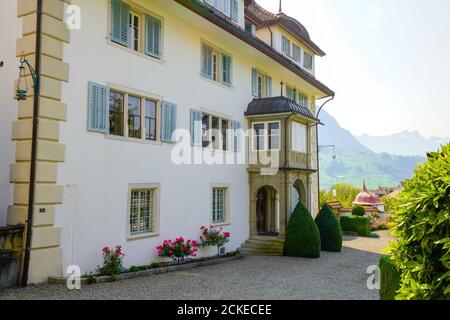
223	224
142	236
220	84
133	140
140	54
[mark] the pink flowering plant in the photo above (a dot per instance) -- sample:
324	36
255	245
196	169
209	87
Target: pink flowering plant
178	250
214	237
112	261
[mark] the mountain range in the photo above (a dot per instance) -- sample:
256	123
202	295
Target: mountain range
356	160
407	143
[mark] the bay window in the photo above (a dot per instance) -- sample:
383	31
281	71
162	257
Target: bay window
299	137
266	136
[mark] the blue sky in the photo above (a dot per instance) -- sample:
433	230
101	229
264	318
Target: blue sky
387	60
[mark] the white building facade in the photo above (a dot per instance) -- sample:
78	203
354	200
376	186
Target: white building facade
113	93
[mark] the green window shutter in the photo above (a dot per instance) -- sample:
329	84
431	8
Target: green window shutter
98	108
268	87
120	16
254	83
153	37
235	10
207	61
226	69
236	126
196	127
168	121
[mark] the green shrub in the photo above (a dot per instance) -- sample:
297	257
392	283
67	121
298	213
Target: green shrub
155	265
302	236
330	230
390	279
360	225
359	211
421	227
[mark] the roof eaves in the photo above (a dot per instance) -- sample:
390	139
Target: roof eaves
212	16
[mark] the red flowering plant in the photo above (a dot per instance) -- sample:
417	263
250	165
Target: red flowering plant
179	249
112	262
214	237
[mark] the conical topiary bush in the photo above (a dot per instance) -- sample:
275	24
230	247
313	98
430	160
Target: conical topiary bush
302	235
330	230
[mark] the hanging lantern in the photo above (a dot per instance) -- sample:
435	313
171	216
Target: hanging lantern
22	84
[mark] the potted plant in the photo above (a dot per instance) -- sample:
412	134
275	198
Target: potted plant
213	237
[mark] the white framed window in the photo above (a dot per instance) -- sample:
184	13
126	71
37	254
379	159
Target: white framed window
132	116
308	61
215	132
135	29
142	210
266	136
296	53
219	204
299	137
261	84
303	100
216	65
291	93
285	46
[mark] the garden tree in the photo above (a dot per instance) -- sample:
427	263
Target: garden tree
345	194
422	230
302	235
358	211
330	230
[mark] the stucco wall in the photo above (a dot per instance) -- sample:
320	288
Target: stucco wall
98	171
11	30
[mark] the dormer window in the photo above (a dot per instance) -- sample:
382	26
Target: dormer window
308	61
286	46
296	53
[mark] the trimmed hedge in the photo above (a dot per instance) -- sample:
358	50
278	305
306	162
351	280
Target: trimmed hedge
330	230
302	235
360	225
359	211
390	279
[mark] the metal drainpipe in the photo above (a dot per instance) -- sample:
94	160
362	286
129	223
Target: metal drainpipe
29	234
317	138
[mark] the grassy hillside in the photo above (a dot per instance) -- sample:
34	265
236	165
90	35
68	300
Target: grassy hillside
354	166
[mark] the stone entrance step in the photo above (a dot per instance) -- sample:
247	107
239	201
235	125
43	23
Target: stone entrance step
263	246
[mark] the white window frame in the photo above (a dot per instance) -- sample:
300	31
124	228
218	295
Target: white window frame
294	145
226	213
305	54
143	96
289	43
217	145
141	13
155	188
266	136
217	69
306	99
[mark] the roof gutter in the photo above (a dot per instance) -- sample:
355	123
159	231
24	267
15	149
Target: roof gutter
29	231
209	14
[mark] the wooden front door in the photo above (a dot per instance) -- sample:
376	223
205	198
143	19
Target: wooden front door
261	207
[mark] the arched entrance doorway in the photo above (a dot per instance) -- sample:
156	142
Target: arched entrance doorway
298	194
267	212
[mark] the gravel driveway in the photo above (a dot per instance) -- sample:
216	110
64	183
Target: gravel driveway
333	276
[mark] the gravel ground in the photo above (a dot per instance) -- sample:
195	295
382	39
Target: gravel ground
333	276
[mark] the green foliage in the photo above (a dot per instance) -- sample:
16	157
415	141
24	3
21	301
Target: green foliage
422	230
359	211
360	225
345	194
112	262
330	230
390	203
390	279
302	236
